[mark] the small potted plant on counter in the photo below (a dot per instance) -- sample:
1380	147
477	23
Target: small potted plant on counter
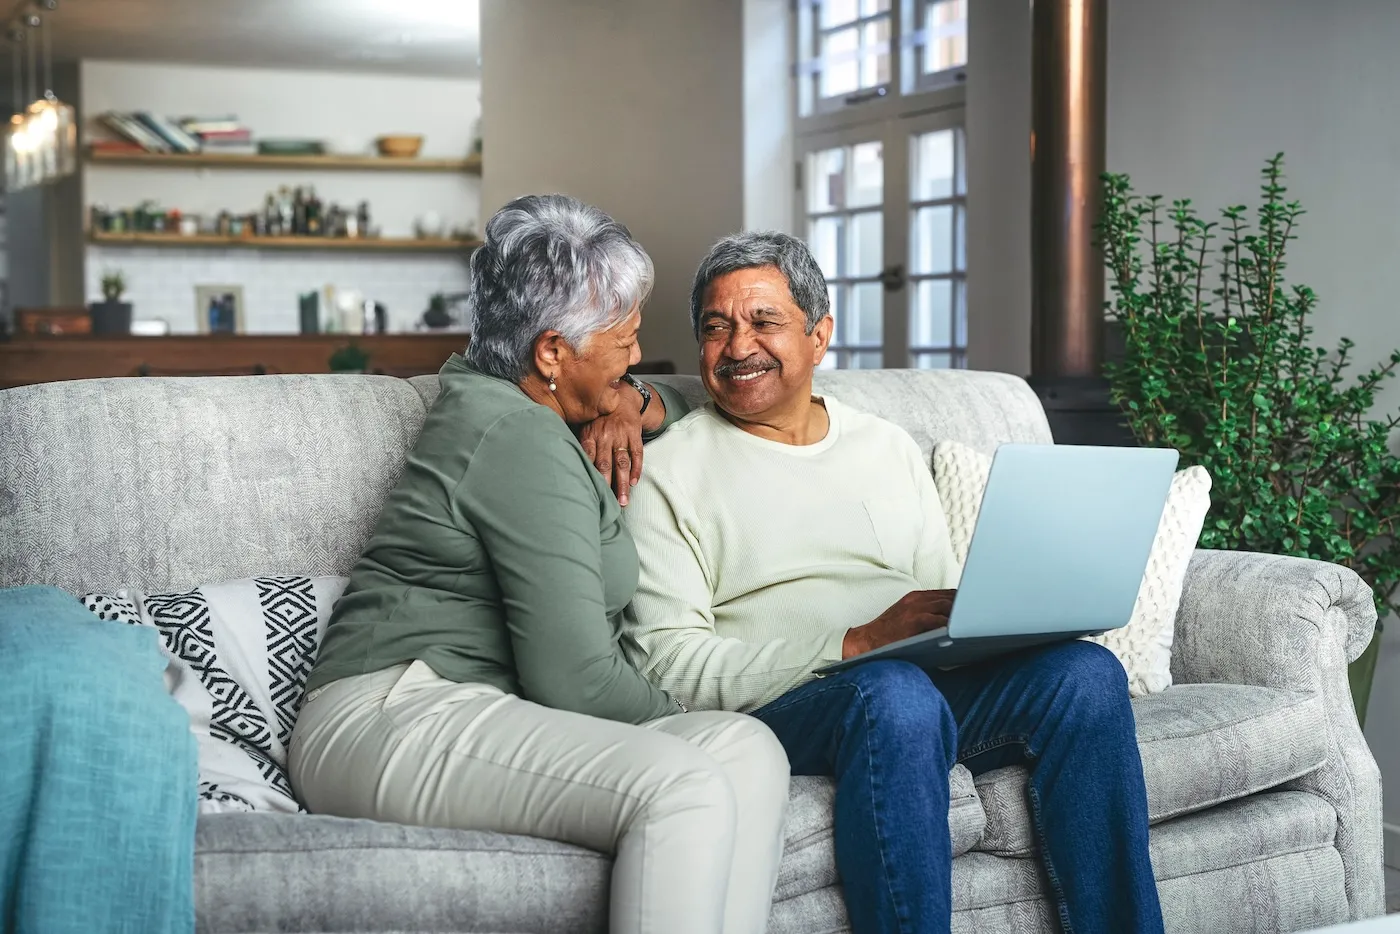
111	315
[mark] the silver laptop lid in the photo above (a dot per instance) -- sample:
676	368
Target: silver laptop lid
1062	539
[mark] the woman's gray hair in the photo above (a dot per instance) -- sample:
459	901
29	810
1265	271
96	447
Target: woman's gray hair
765	248
549	263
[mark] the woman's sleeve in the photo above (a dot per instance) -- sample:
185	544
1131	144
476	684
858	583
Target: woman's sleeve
676	409
535	510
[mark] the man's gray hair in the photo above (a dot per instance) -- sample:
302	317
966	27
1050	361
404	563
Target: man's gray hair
549	263
765	248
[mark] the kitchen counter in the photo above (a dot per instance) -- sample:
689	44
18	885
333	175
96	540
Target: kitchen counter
28	359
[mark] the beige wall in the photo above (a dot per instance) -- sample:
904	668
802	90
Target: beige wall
1200	92
999	186
633	105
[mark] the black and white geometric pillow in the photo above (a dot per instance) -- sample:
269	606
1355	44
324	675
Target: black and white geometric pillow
239	654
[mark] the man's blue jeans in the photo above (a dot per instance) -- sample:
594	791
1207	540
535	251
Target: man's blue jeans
889	733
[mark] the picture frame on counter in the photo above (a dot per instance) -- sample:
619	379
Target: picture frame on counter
218	309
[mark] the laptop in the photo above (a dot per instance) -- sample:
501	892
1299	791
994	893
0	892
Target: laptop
1058	552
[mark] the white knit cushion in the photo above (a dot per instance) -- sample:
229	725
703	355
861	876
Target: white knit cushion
1144	646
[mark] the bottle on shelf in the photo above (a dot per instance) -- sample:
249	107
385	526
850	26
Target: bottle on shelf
285	208
314	220
272	217
299	213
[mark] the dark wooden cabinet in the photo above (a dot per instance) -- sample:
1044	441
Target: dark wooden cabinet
27	359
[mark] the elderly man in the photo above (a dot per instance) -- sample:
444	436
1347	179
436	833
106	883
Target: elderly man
779	531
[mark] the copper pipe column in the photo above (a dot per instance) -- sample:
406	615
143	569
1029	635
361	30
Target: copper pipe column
1068	62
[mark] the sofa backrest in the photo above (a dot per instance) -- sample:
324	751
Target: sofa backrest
171	483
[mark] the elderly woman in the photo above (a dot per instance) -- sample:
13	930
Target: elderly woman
472	676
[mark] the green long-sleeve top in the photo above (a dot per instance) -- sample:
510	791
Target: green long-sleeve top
501	557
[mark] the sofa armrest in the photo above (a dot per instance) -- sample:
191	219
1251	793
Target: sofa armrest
1295	624
1270	620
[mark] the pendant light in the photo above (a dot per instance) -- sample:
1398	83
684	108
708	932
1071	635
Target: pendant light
41	144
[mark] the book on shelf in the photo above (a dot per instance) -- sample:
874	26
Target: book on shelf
166	129
232	148
242	134
125	126
199	126
155	133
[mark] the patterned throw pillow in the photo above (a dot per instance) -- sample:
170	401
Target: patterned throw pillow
1144	646
239	654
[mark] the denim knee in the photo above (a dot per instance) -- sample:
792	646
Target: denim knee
897	700
1094	680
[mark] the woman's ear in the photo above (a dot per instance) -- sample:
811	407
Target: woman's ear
550	350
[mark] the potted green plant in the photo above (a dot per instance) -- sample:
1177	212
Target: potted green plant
1219	363
111	315
351	358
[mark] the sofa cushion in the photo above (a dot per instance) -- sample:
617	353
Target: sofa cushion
298	872
809	855
1265	863
1201	744
238	655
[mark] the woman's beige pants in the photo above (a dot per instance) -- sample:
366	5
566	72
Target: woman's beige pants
690	806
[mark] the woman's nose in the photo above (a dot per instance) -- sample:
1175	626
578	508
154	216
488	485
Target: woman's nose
635	357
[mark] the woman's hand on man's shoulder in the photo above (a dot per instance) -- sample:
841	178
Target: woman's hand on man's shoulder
613	443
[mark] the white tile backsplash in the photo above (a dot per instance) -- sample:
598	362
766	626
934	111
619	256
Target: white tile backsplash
161	282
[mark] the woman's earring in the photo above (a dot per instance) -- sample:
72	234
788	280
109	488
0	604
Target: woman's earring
552	387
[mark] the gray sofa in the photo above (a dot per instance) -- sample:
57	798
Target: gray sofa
1265	799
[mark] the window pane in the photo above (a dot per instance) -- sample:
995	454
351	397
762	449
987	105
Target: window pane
932	321
871	7
868	312
933	240
827	172
946	24
960	249
934	165
824	236
960	320
933	361
838	313
836	12
962	162
840	63
867	174
875	60
866	238
867	360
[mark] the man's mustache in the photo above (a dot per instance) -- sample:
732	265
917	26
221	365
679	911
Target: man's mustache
744	367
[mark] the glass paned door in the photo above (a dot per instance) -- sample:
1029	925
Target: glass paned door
844	214
938	249
883	207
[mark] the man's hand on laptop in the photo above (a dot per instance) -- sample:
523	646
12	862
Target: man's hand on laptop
915	613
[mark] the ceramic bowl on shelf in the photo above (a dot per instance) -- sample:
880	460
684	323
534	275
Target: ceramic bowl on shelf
402	146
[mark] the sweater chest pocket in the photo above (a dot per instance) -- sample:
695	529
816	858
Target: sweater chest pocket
897	524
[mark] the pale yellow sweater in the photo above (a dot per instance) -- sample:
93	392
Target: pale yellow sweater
757	556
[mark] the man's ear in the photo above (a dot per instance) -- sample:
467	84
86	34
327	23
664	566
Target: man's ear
821	339
550	350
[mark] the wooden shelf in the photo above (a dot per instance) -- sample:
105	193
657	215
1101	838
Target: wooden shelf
365	244
214	160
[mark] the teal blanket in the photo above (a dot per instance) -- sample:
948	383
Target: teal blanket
97	775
